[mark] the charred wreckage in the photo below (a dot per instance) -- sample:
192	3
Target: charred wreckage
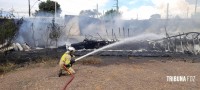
186	43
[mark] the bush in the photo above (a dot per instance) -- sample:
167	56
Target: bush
8	29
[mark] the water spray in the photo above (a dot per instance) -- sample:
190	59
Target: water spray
127	40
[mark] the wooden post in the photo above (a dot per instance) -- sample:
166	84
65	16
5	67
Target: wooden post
119	32
186	42
193	44
29	8
107	32
128	32
168	47
112	33
33	34
181	42
123	32
195	7
175	49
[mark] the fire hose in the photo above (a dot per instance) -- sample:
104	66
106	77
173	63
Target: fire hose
70	80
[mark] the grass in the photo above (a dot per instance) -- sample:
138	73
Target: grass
49	62
42	62
4	68
91	61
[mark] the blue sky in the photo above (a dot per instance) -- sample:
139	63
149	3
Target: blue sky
130	8
129	3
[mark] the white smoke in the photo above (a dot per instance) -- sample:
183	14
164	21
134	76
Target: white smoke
176	7
182	8
35	31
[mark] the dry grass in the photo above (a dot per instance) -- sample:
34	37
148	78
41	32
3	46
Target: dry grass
42	62
51	63
104	73
4	68
91	61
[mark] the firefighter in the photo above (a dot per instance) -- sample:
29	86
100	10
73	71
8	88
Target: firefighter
67	60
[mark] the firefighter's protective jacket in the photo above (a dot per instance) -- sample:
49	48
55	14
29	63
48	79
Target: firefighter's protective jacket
65	59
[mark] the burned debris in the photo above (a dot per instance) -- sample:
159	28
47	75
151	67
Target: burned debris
91	44
9	30
186	43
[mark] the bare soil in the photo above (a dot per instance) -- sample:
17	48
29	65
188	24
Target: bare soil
106	73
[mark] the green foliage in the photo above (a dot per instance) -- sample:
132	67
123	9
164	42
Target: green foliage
89	13
155	16
8	30
111	14
48	8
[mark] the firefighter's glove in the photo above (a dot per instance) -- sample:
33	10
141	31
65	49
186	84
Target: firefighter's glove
72	61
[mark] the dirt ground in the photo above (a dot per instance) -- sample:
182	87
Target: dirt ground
106	73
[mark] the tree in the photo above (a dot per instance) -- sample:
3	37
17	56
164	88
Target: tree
8	29
48	9
112	14
89	13
155	16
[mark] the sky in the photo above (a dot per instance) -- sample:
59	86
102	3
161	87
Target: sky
131	9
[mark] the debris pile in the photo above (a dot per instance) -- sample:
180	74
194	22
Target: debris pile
186	43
